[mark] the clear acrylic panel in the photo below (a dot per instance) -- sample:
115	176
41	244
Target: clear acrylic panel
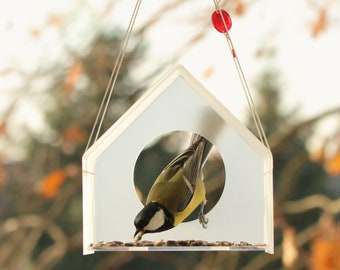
242	219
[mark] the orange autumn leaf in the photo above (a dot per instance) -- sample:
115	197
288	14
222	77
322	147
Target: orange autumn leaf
319	155
240	8
52	183
36	32
55	20
73	134
325	248
208	73
326	254
73	76
3	128
320	24
332	165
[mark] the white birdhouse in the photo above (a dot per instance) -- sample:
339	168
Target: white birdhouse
242	218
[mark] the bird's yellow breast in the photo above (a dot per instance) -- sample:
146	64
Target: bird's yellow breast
197	199
174	191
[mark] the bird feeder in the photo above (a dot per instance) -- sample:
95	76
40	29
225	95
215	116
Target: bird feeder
242	219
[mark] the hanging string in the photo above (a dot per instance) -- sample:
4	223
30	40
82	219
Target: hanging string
250	100
113	78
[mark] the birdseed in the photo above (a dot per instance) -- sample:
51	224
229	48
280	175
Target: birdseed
173	243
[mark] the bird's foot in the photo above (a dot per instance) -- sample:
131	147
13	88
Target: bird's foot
202	219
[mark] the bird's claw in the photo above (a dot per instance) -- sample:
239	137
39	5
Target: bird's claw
202	219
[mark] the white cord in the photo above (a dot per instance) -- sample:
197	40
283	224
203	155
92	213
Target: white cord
250	100
113	78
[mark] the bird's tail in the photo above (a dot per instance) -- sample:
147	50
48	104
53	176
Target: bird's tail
207	146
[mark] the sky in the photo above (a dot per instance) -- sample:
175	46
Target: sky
308	65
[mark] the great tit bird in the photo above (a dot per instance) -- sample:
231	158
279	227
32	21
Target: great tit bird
176	192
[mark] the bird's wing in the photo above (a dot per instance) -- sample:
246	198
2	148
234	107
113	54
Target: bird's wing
184	170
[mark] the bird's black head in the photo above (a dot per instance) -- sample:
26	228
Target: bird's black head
153	218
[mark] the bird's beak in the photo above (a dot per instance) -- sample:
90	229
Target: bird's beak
138	235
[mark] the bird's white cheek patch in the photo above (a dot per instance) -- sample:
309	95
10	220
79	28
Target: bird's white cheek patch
156	222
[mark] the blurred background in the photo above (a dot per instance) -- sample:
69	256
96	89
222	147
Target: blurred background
55	64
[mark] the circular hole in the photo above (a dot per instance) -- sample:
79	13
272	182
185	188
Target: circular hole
157	154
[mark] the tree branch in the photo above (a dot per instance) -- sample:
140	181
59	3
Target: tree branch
278	140
310	202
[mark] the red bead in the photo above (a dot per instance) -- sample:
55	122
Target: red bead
217	20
